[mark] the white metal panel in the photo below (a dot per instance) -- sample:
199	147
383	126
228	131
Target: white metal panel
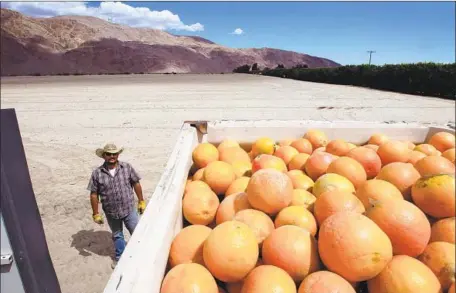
353	131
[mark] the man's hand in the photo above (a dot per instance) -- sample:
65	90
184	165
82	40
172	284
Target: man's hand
141	207
98	219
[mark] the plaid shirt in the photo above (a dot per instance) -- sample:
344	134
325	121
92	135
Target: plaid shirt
116	192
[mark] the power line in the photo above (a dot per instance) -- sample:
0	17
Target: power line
370	55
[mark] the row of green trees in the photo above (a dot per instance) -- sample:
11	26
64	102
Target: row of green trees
431	79
256	69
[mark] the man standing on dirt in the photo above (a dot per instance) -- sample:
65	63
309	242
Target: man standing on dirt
114	182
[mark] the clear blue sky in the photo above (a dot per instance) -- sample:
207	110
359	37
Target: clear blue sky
400	32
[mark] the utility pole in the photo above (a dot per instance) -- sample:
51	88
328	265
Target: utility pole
370	56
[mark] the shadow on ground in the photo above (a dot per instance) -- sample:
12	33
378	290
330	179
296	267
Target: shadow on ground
89	242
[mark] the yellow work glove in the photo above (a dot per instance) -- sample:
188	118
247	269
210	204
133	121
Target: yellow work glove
141	207
97	219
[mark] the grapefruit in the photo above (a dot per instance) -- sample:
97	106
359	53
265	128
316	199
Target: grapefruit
393	151
415	156
269	191
435	195
378	139
260	223
196	185
204	153
303	198
231	251
426	149
302	145
300	180
242	168
317	164
286	153
401	175
268	279
263	145
238	185
397	277
338	147
334	201
405	224
353	246
440	258
230	206
297	216
298	162
187	246
331	181
200	206
368	158
443	230
442	141
377	190
233	154
325	282
434	165
198	175
227	143
292	249
189	278
268	162
316	137
350	169
219	176
450	155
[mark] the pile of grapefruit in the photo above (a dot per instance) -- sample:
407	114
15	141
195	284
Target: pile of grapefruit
313	215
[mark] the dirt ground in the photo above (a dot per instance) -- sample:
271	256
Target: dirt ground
64	119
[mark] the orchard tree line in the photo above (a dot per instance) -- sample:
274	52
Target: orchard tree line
254	68
427	79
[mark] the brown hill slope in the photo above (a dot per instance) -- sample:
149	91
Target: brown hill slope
89	45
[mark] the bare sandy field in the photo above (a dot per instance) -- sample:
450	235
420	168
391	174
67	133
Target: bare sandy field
64	119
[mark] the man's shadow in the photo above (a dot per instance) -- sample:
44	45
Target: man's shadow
96	242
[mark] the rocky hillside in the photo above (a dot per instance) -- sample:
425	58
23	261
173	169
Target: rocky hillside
88	45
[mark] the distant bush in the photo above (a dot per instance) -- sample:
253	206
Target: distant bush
301	66
430	79
242	69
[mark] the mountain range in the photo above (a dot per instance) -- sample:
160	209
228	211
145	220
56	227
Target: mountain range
88	45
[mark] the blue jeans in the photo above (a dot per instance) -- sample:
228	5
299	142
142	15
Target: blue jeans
116	226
